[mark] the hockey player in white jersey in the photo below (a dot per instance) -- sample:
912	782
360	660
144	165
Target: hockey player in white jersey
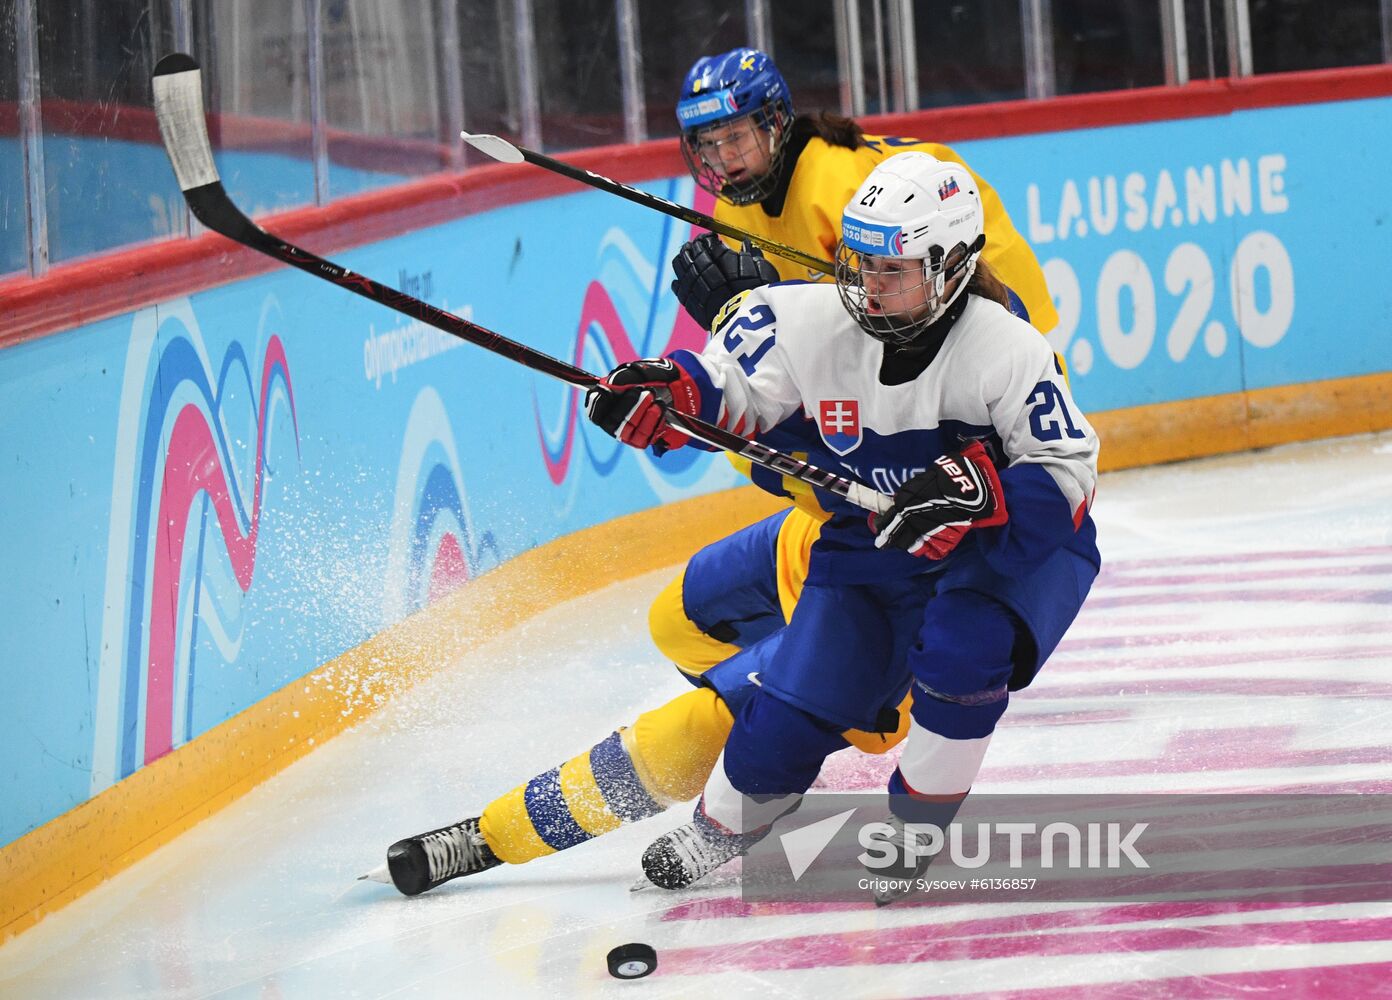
911	374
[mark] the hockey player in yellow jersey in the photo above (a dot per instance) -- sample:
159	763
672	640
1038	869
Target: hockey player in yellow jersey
788	178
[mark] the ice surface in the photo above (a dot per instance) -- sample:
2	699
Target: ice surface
1240	639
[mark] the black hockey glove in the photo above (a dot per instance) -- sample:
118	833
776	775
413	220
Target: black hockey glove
628	403
934	509
709	274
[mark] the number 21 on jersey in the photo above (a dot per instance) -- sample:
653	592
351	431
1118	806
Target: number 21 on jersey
758	318
1049	416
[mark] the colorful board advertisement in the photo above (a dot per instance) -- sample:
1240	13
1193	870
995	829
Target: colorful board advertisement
207	499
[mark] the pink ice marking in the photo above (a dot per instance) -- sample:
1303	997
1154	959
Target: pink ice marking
1221	658
930	943
1248	558
1072	644
192	465
1215	683
1143	619
1030	921
853	770
1082	717
1240	748
1025	924
1305	982
1123	579
1291	595
1359	786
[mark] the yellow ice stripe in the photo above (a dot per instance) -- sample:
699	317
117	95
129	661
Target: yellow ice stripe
1241	421
584	799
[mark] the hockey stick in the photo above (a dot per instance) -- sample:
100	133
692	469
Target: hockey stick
179	109
505	152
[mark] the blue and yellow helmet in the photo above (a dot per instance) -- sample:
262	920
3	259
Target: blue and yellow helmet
721	90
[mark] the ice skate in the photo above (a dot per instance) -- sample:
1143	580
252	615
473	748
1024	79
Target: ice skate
894	881
430	859
690	853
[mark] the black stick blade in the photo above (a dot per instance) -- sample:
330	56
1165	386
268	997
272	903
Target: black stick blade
178	86
175	62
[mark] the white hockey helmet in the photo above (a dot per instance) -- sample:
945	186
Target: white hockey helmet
912	226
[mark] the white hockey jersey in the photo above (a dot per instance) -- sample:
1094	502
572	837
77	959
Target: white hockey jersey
791	357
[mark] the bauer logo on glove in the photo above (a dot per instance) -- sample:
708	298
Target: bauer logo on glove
937	507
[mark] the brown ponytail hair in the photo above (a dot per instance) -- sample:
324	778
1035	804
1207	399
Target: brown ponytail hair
986	284
835	130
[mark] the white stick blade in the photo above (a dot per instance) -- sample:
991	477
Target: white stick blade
493	145
178	85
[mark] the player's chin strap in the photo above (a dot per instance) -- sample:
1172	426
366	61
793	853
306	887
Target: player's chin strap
965	267
179	108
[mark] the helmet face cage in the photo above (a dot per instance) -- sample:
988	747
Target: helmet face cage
895	299
710	158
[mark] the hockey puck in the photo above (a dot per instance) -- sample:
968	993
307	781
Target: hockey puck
632	961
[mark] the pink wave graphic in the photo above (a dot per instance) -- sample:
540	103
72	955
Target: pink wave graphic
450	569
598	310
192	466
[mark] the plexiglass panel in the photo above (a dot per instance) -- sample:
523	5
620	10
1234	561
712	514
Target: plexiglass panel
255	60
577	64
968	52
876	77
804	47
487	45
673	37
107	180
389	71
1107	45
382	93
14	253
1314	34
1205	33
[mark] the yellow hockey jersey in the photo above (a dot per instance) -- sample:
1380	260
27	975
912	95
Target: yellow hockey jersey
823	181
